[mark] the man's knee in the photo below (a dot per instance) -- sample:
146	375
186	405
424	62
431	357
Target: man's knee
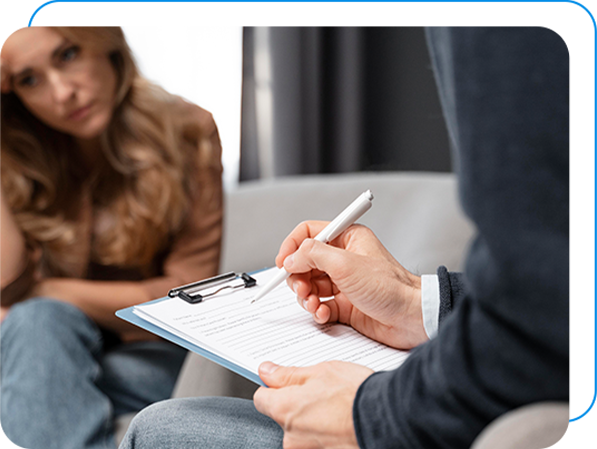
149	425
199	422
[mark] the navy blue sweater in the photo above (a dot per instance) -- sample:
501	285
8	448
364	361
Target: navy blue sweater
503	336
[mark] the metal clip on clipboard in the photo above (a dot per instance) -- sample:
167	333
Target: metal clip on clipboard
197	291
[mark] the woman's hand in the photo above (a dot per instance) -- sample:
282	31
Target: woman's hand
3	312
99	300
55	288
371	291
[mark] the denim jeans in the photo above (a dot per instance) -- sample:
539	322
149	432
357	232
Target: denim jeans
197	423
61	388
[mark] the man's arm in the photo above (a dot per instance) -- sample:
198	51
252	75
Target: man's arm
505	344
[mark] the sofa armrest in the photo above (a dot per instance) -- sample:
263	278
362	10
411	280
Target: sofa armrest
534	426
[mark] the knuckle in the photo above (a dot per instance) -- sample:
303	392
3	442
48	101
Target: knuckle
308	245
364	230
302	228
289	374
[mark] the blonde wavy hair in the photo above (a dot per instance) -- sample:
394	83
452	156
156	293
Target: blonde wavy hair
145	188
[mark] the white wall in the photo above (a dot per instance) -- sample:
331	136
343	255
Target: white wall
203	65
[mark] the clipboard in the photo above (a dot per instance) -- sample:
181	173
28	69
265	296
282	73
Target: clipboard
215	319
194	293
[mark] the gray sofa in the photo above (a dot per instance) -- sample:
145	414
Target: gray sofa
415	215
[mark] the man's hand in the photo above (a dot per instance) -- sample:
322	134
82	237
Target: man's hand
313	405
371	291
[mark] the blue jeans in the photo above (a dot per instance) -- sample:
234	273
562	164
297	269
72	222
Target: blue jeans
61	388
197	423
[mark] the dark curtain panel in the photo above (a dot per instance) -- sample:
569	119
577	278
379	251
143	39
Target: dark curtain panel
334	100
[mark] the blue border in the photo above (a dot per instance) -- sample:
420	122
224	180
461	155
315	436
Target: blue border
586	423
52	2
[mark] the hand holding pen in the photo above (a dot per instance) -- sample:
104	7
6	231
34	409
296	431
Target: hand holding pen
369	289
348	216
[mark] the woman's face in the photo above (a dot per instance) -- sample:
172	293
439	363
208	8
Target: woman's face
69	87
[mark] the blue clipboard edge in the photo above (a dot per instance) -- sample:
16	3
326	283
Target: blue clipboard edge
128	315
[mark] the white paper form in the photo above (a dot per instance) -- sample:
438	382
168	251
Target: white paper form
274	329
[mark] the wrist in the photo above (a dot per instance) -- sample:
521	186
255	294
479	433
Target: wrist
410	319
56	288
417	334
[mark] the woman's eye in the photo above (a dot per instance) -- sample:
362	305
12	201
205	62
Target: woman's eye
28	81
69	54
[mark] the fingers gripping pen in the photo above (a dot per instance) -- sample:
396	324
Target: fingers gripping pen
336	227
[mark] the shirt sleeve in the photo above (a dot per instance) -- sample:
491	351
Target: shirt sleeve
439	295
430	301
195	251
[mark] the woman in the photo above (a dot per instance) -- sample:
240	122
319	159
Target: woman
111	195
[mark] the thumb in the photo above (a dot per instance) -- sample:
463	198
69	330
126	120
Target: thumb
277	376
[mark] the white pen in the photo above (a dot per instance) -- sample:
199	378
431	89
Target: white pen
348	216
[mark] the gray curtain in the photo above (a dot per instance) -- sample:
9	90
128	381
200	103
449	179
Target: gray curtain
334	100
